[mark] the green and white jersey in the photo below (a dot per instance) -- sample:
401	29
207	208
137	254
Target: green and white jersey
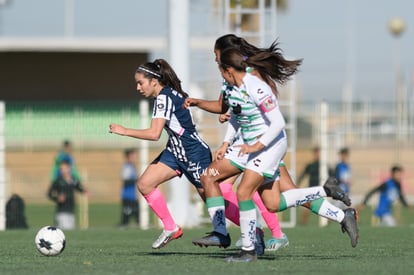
250	103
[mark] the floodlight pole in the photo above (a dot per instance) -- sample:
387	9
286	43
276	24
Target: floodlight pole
397	27
179	49
69	18
143	155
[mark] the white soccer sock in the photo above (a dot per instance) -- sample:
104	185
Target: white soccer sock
218	219
331	212
216	208
248	224
300	196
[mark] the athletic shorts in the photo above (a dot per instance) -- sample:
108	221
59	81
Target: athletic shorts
192	169
267	162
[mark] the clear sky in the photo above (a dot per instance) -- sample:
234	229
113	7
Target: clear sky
340	41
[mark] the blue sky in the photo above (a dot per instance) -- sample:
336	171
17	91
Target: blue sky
340	41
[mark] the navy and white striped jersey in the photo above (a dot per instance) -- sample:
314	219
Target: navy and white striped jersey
184	141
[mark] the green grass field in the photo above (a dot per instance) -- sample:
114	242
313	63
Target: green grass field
312	250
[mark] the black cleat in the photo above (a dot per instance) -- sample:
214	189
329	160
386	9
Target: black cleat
244	256
333	190
350	225
213	239
260	243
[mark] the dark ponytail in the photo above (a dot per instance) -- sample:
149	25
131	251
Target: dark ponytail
269	62
161	70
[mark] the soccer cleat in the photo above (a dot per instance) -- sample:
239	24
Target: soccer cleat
274	244
243	257
350	225
333	190
239	244
260	243
166	237
213	239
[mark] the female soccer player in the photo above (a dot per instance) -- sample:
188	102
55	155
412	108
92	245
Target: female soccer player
320	207
186	153
278	239
262	125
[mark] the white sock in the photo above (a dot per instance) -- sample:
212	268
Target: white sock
331	212
216	208
218	219
300	196
248	229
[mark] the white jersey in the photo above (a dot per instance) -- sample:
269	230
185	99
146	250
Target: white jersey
250	107
253	105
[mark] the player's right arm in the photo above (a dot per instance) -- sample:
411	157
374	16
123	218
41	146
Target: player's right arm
212	106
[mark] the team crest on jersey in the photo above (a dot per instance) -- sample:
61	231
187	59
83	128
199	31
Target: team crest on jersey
160	104
268	104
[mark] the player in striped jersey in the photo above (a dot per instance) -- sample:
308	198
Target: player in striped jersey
246	105
185	153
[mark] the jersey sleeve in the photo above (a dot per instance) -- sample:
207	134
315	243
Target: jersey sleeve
225	88
266	101
163	107
232	128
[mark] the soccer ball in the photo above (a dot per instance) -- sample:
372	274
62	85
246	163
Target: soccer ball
50	241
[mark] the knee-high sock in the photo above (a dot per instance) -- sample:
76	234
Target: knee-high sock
157	202
327	210
299	196
271	219
248	224
216	208
232	208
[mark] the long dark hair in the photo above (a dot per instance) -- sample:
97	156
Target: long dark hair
269	63
163	72
283	70
231	41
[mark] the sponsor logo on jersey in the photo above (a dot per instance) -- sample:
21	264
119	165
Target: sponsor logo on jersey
260	91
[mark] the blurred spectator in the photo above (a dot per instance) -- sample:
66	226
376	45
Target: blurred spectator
389	191
15	214
312	172
343	170
62	192
65	154
129	174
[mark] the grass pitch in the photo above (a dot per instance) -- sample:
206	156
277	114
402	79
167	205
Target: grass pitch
104	249
312	250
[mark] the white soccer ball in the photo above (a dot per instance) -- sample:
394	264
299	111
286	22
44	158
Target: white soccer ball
50	241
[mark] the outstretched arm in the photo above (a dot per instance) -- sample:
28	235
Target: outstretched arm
212	106
152	133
